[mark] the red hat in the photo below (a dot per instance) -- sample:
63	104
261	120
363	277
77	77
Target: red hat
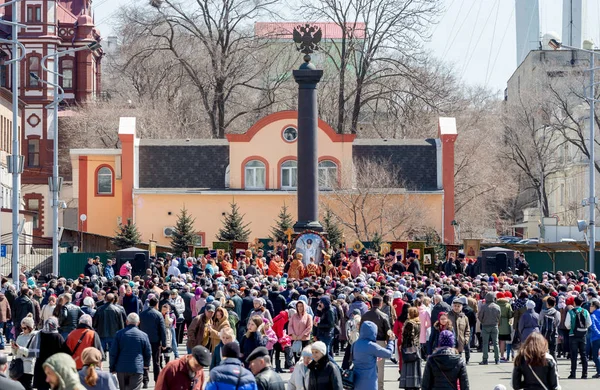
570	301
499	295
507	294
554	294
577	288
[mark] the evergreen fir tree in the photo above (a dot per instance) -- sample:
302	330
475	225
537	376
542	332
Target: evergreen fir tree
234	228
127	236
333	230
184	232
282	224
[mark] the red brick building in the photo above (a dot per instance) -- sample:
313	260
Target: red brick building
51	26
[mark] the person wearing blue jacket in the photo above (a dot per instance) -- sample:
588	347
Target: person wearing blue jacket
365	362
594	332
231	374
130	354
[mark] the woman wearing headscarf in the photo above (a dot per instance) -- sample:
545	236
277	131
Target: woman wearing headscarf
91	374
445	368
22	349
529	321
261	310
47	342
220	322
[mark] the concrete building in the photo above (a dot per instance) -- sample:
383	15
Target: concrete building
149	181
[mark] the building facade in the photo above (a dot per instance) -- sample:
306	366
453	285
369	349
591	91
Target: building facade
51	26
150	181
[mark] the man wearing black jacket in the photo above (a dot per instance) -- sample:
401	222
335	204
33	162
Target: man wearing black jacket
153	324
23	305
278	301
326	323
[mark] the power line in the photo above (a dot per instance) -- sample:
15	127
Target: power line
479	38
471	37
499	48
454	24
115	13
492	45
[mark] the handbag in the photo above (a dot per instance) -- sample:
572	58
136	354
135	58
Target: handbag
297	347
410	354
348	374
16	369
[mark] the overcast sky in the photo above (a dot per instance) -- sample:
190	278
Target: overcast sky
476	36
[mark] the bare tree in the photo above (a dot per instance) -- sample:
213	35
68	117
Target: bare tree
214	45
379	44
374	203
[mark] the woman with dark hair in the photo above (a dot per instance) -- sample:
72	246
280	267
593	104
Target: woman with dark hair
445	368
255	336
534	367
410	375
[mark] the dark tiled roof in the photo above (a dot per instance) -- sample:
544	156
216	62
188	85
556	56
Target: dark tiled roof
183	164
416	160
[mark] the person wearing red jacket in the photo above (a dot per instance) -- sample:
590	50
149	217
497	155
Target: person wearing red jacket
283	343
401	309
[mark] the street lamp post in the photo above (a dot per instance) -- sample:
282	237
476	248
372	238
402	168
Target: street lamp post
15	160
591	201
56	182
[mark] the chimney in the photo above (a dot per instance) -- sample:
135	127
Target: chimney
127	138
448	134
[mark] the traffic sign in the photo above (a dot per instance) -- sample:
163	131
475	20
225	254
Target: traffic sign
3	251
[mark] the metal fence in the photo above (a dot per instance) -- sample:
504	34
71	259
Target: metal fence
31	256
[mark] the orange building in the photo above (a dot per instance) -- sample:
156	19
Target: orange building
149	181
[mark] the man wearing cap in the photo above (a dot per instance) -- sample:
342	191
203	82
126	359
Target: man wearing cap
460	327
185	373
5	382
199	330
259	362
231	374
130	355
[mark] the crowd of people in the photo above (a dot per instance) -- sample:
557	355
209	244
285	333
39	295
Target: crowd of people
251	317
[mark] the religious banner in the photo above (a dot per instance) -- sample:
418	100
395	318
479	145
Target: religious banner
400	247
221	245
239	246
428	257
310	244
472	248
452	251
417	248
152	248
199	251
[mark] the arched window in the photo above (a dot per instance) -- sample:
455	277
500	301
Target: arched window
289	175
255	175
105	181
328	175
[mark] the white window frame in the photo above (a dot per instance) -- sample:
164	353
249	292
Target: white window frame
103	172
291	166
324	171
251	173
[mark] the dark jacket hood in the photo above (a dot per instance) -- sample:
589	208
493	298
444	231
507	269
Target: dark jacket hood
445	358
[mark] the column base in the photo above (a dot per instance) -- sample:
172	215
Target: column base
301	226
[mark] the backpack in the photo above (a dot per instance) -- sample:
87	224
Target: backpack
579	328
548	327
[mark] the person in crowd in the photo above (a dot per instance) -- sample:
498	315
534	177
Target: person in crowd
81	338
411	375
578	321
323	372
169	318
21	350
91	375
130	355
130	301
48	309
534	367
227	336
300	374
61	374
594	331
5	382
425	321
254	337
460	327
108	320
489	317
283	343
445	368
220	322
68	316
153	324
443	323
300	326
230	374
326	323
383	331
259	362
529	322
185	373
549	321
367	353
5	317
504	329
22	306
45	344
199	332
260	309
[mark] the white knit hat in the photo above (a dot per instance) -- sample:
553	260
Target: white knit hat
319	346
